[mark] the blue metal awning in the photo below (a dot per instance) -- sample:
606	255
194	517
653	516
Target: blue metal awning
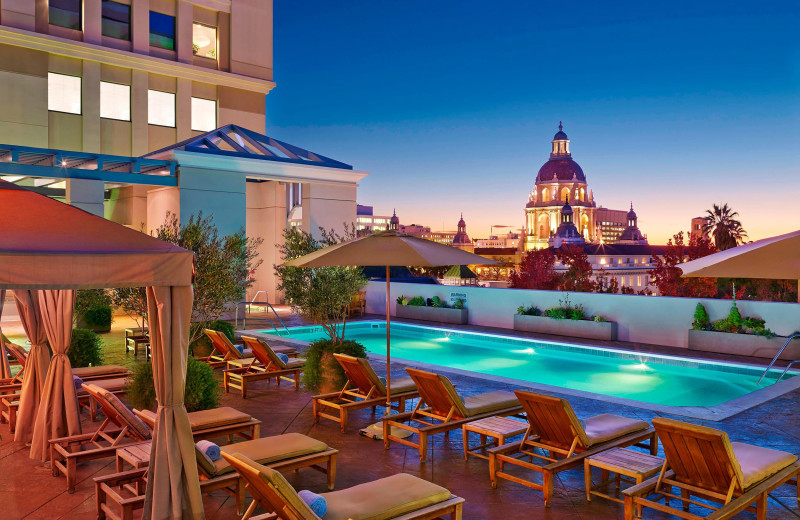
23	162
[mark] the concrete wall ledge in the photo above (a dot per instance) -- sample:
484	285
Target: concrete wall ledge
602	330
438	314
742	344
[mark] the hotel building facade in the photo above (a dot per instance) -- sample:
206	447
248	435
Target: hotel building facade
134	108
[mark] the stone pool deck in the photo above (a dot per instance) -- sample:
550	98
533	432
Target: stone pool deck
27	489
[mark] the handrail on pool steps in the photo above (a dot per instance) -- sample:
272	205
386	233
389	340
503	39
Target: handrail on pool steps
790	338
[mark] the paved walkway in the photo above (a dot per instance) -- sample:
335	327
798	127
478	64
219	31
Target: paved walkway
27	489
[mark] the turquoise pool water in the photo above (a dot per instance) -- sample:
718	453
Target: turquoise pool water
653	379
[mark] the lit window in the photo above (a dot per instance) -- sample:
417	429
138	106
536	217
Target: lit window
639	281
116	20
160	108
162	31
115	101
204	114
65	13
63	93
204	41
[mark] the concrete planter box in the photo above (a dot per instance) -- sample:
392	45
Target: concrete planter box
742	344
438	314
605	330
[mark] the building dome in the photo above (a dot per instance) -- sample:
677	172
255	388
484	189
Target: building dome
461	238
560	135
563	169
394	222
631	213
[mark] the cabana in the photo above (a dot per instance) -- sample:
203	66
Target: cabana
47	250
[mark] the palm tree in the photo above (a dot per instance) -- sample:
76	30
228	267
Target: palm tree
722	225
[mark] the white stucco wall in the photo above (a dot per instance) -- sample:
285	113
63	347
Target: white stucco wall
657	320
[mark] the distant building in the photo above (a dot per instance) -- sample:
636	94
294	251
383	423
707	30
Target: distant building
460	275
440	237
461	240
697	226
561	180
416	230
610	224
368	223
498	241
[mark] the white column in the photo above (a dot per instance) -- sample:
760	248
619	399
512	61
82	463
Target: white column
86	194
329	206
266	219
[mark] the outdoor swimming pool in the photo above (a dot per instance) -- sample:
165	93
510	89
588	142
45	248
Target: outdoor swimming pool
655	379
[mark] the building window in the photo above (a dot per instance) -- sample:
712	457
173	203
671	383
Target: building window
65	13
204	114
162	31
160	108
115	101
63	93
204	41
116	20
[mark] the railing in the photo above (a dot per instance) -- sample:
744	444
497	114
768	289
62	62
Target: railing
263	303
771	363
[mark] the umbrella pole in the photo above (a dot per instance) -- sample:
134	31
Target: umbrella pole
388	350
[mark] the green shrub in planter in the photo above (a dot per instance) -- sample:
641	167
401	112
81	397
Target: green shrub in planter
202	390
321	368
203	343
701	319
85	349
417	301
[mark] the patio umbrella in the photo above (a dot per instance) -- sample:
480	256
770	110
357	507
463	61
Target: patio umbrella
774	258
389	249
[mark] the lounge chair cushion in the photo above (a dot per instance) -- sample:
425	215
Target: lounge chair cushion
759	463
242	362
605	427
206	419
101	370
402	385
265	450
111	385
489	402
284	489
123	411
295	363
385	498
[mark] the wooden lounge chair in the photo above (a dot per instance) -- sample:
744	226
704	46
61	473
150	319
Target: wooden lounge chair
364	389
704	463
564	440
136	426
119	495
358	303
265	364
21	356
225	353
443	404
399	497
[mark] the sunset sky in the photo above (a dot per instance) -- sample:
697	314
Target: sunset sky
451	105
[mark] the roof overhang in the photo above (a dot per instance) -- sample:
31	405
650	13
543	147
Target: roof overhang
265	170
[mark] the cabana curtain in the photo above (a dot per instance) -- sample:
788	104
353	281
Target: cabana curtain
172	460
5	368
36	366
58	414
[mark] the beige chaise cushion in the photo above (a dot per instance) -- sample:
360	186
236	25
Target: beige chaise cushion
206	419
126	416
385	498
295	363
111	385
605	427
265	450
489	402
402	385
101	370
758	463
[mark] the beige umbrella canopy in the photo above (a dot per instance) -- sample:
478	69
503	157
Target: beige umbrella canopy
389	248
775	258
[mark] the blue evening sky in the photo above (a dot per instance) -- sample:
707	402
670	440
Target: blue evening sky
451	105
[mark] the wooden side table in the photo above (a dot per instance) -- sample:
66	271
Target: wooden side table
138	456
498	428
627	465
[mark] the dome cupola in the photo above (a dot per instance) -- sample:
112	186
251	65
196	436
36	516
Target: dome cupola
560	167
394	222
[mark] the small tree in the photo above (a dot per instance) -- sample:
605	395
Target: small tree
667	273
536	271
132	300
319	294
222	265
578	276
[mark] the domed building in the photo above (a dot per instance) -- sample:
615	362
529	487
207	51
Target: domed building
631	234
566	233
461	240
560	180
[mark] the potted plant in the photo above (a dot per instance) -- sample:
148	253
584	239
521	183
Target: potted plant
567	319
737	334
432	309
321	295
